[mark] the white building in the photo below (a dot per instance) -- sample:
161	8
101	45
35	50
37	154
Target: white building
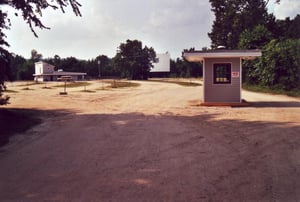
46	72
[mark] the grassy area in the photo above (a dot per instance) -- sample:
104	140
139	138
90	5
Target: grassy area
10	91
27	88
182	83
257	88
88	91
30	83
121	84
46	87
74	84
14	121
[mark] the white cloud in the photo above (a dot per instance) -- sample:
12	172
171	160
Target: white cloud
169	25
287	8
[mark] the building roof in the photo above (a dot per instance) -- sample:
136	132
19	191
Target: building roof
197	56
42	62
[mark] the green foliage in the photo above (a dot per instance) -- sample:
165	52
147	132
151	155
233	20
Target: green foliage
232	17
254	39
279	67
3	99
20	68
35	56
185	69
122	84
272	90
4	73
134	61
4	67
286	29
26	71
106	67
16	64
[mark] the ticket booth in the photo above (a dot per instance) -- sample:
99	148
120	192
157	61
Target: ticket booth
222	74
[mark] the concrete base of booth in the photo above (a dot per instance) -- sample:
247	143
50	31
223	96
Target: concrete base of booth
226	104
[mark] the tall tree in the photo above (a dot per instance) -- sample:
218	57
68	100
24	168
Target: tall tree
232	17
105	66
287	28
16	65
135	60
35	56
31	11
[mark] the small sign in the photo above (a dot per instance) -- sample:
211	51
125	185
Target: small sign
235	74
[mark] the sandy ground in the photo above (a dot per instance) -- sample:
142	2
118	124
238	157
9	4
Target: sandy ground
152	143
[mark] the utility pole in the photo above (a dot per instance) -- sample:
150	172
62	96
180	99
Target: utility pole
99	68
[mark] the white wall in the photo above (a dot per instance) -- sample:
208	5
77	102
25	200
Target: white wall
43	68
163	64
38	67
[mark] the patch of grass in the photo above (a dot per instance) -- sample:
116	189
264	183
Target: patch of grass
262	89
46	87
182	83
30	84
14	121
10	91
74	84
27	88
293	93
187	84
121	84
88	91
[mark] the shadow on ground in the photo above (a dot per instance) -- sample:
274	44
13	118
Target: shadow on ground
275	104
18	121
166	157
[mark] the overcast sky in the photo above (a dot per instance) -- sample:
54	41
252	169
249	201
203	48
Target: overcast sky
165	25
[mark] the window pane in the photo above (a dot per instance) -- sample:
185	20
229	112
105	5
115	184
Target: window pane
222	73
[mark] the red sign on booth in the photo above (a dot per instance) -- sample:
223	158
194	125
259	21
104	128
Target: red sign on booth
235	74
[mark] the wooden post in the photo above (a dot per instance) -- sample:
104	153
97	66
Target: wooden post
65	79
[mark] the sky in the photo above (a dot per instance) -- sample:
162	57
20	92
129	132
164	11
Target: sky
166	25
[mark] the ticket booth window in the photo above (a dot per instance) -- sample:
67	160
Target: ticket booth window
222	73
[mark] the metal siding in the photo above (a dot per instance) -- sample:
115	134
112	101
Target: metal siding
222	92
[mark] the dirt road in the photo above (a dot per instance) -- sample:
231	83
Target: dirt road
152	143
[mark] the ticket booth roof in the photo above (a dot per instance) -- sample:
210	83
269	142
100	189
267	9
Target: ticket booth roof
198	56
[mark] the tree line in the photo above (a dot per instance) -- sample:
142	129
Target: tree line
23	69
133	61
